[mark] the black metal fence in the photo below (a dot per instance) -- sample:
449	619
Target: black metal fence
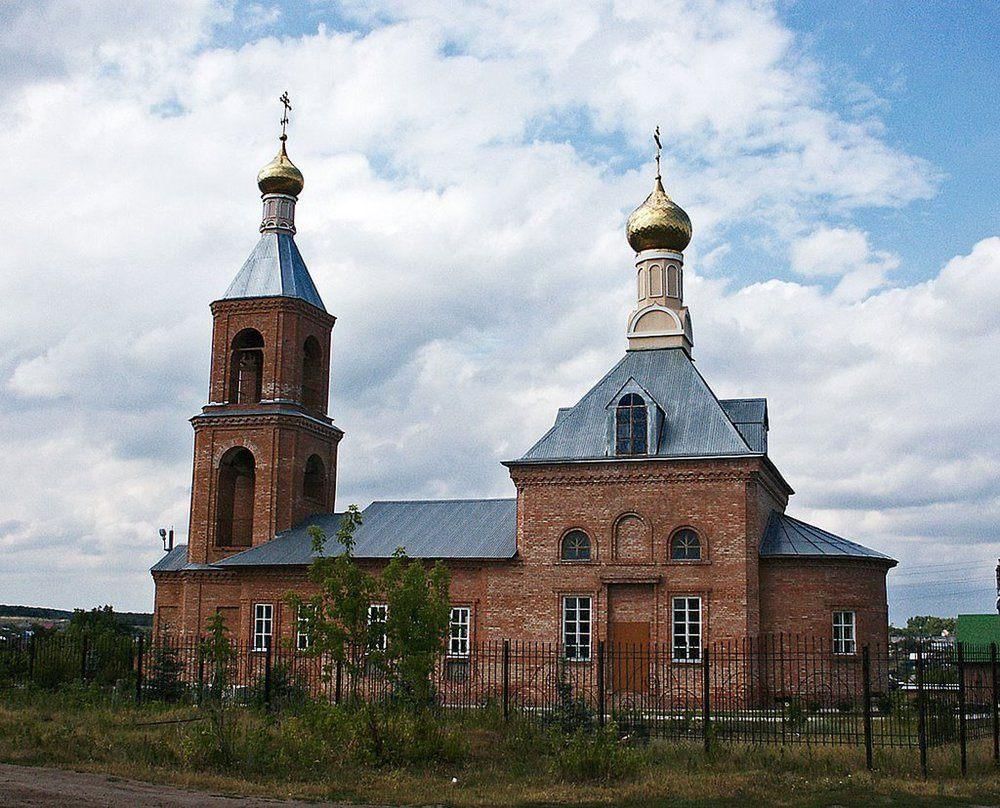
774	690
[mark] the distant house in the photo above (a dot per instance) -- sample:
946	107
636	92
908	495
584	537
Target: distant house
975	633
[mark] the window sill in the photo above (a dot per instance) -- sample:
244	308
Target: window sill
687	562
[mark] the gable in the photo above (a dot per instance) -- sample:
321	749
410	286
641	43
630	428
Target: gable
694	422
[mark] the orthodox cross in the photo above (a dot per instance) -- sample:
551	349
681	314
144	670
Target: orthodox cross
659	147
287	104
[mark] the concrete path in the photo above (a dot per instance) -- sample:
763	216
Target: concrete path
31	787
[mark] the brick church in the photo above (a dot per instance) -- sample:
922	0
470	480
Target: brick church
649	512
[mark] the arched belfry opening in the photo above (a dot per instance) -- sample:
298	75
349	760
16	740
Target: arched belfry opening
246	370
312	374
314	479
235	498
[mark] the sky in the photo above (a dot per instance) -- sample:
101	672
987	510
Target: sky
469	168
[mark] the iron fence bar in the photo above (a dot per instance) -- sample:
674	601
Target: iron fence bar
506	680
962	728
867	673
706	702
921	710
138	670
600	683
995	703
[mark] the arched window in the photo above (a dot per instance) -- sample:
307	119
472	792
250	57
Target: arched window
246	369
575	546
630	426
685	546
235	499
314	479
312	374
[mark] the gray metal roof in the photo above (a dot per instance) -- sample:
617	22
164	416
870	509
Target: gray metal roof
275	269
749	416
695	423
786	536
451	528
173	561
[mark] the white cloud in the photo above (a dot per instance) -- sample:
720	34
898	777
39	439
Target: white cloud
457	221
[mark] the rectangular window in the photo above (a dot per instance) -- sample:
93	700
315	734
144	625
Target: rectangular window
844	635
458	636
576	627
263	625
687	629
302	640
378	613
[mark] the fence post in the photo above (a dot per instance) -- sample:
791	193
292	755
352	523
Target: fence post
866	667
31	660
995	703
921	710
706	702
338	687
138	670
600	682
267	674
201	674
83	658
506	679
961	708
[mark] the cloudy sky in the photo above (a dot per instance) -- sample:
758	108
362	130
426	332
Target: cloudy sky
468	172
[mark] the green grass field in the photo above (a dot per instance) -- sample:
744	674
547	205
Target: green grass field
322	752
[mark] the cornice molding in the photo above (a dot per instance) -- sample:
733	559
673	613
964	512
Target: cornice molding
251	305
299	420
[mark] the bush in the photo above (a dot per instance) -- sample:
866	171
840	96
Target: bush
599	756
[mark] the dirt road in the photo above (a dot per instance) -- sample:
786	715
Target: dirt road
30	787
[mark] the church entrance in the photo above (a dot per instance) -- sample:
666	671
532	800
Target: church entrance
630	622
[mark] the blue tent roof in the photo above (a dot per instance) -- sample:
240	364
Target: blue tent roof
789	537
695	422
275	269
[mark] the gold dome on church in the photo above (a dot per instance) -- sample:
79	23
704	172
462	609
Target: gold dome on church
280	176
659	223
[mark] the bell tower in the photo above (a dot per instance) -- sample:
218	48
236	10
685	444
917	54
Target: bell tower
265	450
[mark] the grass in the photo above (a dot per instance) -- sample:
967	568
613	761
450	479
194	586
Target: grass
325	753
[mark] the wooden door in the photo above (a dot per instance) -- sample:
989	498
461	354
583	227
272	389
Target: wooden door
630	647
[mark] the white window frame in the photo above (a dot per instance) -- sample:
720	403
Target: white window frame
577	630
459	631
263	626
845	632
686	628
374	609
302	639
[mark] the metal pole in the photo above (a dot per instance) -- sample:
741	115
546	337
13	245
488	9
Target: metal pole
867	671
138	671
961	709
995	703
600	682
83	658
506	680
339	685
921	710
706	704
31	660
267	675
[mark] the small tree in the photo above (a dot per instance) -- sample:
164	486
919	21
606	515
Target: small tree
336	619
419	612
165	681
217	651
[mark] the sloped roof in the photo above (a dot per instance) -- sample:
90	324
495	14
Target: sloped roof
695	422
173	561
789	537
275	269
453	528
978	629
749	416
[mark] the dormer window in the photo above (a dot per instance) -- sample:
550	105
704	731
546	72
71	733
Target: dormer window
631	419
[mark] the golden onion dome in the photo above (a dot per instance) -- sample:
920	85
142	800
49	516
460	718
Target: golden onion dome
659	223
280	176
